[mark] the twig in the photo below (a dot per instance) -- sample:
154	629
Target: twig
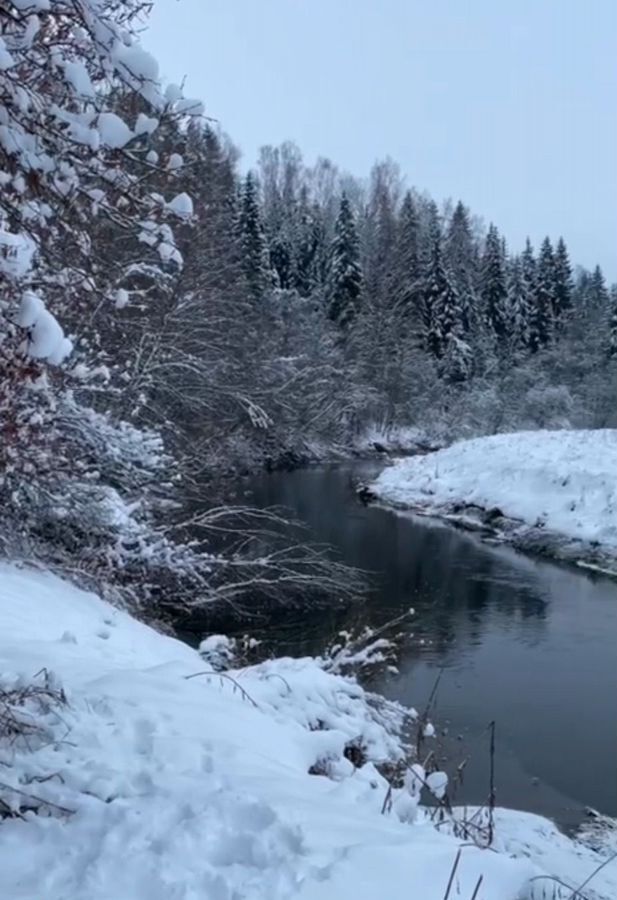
244	694
39	800
477	887
452	874
491	796
593	874
387	803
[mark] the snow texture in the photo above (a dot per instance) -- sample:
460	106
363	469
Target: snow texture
181	788
77	76
46	337
16	253
114	132
562	481
181	206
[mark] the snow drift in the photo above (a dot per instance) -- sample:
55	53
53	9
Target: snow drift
556	482
138	782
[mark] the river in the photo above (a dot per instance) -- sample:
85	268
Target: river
528	643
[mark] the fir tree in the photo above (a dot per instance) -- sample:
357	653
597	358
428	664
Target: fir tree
308	246
253	240
563	282
441	308
541	313
612	327
493	286
407	268
518	302
529	278
345	275
379	242
597	293
461	260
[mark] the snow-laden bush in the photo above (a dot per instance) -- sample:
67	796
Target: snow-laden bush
74	168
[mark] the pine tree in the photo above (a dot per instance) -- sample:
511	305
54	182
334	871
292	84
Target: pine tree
344	282
541	312
253	240
563	283
493	286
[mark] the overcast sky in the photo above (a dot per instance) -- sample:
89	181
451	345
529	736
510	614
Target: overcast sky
510	105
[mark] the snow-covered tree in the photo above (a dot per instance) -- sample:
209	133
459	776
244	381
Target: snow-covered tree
519	302
493	285
407	264
253	239
442	314
597	292
612	326
563	282
73	169
541	313
344	283
461	259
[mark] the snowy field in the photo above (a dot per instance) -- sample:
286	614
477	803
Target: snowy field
557	482
149	785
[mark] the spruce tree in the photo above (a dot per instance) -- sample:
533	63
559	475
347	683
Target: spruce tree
460	253
597	293
493	286
344	282
307	246
407	267
379	243
612	328
541	313
563	283
253	240
518	302
529	278
440	307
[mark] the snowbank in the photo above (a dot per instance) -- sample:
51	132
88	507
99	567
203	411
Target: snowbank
163	787
561	483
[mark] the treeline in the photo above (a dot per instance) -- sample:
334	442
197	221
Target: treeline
312	305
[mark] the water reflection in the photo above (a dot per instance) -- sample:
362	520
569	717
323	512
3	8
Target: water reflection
523	641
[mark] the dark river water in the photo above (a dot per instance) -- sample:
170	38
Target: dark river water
527	643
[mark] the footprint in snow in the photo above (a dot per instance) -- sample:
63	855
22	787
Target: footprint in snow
68	638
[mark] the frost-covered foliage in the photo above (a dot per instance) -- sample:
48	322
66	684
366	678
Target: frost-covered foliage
72	169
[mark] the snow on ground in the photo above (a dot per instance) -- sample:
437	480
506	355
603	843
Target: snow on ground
564	482
198	788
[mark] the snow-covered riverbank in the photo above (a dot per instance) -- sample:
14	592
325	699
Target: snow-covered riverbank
548	491
151	784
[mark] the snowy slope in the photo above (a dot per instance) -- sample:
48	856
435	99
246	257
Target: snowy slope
196	790
562	481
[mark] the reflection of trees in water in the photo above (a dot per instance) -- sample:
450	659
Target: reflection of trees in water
458	586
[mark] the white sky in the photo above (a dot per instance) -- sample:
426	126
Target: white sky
510	105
